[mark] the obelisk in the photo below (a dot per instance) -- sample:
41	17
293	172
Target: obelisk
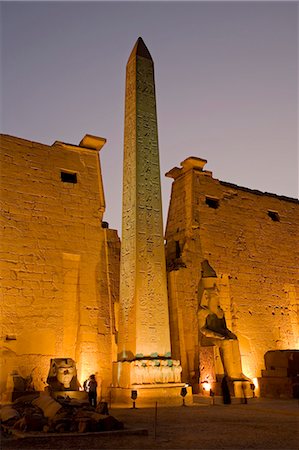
143	314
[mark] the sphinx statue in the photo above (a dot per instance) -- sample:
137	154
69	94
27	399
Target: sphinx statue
212	324
63	375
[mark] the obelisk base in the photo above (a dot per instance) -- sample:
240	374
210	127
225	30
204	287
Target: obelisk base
238	389
147	395
154	379
146	371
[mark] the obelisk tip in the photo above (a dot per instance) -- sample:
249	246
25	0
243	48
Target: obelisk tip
140	49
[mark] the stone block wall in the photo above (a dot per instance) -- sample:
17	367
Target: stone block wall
251	240
59	266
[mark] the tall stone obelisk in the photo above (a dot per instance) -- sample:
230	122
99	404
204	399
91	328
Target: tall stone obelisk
143	315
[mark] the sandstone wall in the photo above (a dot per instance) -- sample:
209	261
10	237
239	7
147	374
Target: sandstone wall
256	258
59	266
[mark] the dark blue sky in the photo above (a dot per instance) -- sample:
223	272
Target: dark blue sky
226	83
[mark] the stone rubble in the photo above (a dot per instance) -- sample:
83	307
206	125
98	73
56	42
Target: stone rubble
36	413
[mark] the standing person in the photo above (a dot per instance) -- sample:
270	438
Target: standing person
225	391
90	386
244	400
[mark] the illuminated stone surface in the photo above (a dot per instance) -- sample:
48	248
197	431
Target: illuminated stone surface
256	260
60	262
144	320
147	371
212	324
165	394
59	266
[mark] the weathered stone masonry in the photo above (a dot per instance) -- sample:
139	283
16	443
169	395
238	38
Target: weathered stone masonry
251	240
59	263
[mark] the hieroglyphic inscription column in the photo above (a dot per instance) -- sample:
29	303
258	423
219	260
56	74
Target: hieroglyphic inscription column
144	320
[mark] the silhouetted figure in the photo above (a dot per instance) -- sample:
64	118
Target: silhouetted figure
90	386
225	391
252	387
244	400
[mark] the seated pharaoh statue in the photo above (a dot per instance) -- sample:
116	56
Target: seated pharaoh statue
212	324
63	375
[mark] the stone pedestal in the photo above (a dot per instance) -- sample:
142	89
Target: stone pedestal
235	388
279	387
281	378
81	396
146	371
153	379
165	394
242	389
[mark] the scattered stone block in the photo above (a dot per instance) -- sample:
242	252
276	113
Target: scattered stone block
48	405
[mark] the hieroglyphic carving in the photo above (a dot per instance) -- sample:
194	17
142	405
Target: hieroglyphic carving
144	321
128	248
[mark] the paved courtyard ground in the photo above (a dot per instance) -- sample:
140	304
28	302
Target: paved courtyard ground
261	424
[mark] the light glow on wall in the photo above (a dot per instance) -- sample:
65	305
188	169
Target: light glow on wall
206	386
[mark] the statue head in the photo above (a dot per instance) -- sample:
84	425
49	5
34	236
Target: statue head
62	374
213	300
207	288
208	275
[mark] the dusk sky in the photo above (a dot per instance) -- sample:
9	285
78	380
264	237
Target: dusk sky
226	84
